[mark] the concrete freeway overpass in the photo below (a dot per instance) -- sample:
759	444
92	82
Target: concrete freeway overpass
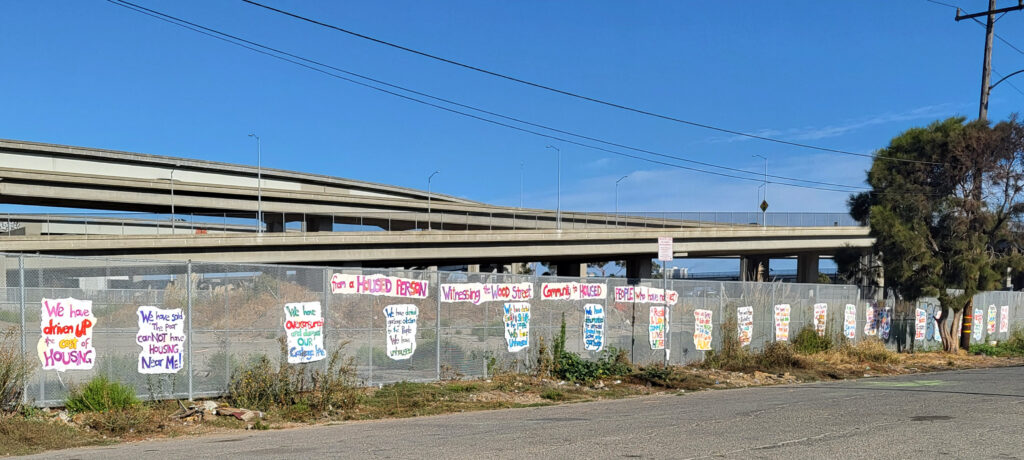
462	231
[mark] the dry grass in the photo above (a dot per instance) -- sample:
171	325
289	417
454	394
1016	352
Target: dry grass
21	435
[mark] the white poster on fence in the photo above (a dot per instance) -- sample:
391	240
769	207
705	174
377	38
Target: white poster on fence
850	321
920	323
1004	318
593	327
162	338
702	330
820	317
644	294
517	325
400	327
390	286
782	322
573	291
745	323
477	293
656	328
304	331
978	327
991	319
870	322
65	342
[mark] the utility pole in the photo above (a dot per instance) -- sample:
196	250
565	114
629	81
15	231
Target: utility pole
986	71
986	66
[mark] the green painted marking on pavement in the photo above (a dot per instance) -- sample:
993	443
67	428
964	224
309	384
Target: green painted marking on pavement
912	383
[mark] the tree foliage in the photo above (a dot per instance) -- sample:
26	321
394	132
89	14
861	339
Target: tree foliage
948	218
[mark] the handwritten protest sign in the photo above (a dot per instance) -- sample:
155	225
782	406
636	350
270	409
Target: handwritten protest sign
656	329
477	293
517	325
850	321
593	327
782	322
820	311
401	330
702	329
920	323
162	338
978	327
644	294
991	319
304	330
1004	318
573	291
65	342
745	322
390	286
870	323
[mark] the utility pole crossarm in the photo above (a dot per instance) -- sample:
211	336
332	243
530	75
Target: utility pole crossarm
1020	6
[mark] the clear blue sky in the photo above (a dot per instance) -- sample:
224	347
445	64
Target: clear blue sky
846	75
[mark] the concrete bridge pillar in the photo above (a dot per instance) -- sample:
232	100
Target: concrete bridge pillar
313	223
754	268
807	268
570	269
274	222
638	267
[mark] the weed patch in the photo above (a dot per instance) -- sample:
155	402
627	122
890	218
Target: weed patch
101	395
14	370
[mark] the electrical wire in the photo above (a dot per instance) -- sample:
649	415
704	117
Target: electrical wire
570	93
311	65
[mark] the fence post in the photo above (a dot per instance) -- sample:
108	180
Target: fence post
21	290
327	302
188	295
437	320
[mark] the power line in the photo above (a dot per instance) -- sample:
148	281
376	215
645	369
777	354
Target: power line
294	59
570	93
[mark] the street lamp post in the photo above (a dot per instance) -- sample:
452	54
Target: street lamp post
617	200
558	196
259	184
764	200
172	198
428	198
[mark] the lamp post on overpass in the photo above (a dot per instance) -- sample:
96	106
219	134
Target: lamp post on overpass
764	201
558	195
172	198
259	185
428	198
617	200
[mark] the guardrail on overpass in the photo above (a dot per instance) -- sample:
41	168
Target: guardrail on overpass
133	223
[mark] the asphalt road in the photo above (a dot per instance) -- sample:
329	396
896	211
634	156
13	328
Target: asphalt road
963	414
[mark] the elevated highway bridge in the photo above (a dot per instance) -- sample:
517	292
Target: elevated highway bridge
421	229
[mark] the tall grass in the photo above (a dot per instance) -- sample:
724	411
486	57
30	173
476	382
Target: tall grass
14	370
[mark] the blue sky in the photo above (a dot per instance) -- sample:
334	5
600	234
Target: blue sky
845	75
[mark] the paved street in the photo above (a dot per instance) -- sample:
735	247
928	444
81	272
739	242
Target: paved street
916	416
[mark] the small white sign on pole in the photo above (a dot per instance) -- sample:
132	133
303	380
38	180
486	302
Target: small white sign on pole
665	248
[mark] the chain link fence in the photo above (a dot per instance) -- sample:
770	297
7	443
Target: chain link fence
233	314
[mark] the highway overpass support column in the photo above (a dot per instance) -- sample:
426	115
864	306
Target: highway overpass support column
570	268
807	268
638	267
754	268
314	223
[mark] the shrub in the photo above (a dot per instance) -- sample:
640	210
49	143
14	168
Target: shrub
117	422
779	355
870	350
14	371
261	385
570	366
808	342
101	395
732	356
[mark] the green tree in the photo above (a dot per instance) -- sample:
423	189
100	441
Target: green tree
941	219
